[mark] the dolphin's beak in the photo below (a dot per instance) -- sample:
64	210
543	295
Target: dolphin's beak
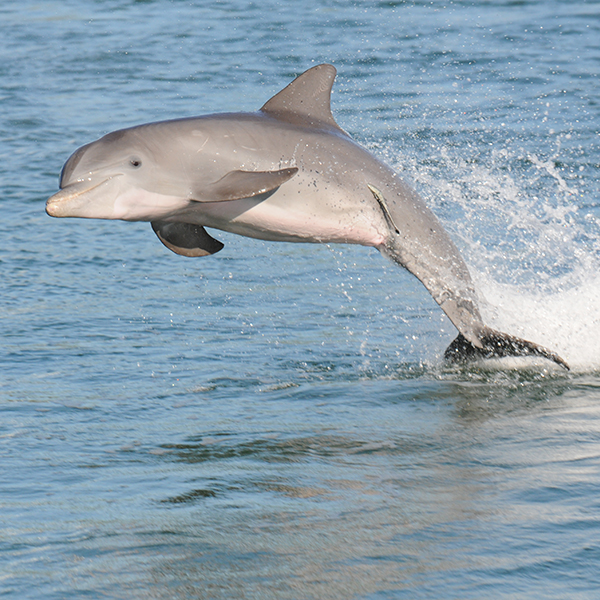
72	199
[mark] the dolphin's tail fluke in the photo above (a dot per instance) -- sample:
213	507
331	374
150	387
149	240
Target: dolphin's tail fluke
497	345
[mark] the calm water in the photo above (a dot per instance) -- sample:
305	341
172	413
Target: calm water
276	421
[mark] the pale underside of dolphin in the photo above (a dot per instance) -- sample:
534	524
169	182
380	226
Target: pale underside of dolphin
285	173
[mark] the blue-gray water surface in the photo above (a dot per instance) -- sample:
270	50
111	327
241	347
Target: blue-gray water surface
276	421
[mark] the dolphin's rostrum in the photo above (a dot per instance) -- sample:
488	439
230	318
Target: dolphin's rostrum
285	173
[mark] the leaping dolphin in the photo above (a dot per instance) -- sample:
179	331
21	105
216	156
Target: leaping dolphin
286	173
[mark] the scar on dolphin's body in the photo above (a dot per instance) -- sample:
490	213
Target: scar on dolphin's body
286	173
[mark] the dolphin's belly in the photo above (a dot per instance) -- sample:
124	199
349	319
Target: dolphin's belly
299	211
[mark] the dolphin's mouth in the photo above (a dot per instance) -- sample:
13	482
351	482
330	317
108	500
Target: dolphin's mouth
69	198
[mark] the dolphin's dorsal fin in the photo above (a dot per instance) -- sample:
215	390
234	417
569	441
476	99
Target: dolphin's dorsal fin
307	100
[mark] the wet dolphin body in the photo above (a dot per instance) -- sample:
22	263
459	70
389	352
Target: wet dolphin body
285	173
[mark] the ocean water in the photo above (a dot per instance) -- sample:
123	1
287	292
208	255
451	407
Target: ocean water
276	421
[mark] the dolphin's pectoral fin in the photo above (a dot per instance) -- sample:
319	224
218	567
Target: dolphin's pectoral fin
496	344
186	239
245	184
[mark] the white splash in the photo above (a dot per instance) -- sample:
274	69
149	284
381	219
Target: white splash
566	320
532	241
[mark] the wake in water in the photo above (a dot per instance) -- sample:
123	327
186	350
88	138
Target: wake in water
531	241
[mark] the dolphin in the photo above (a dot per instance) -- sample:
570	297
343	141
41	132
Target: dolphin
287	173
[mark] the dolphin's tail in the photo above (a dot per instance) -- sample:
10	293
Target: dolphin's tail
497	345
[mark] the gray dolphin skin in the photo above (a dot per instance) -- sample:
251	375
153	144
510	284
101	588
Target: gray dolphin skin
286	173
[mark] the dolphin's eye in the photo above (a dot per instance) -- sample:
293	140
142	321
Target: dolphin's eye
135	162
